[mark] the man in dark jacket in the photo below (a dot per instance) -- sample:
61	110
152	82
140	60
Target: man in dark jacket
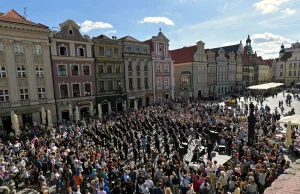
158	189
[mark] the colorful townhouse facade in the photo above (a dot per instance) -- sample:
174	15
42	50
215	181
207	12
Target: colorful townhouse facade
162	68
138	72
73	71
25	71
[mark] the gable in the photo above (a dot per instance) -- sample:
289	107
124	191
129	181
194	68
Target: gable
130	39
69	31
161	36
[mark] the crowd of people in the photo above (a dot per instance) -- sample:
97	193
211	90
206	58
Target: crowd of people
141	152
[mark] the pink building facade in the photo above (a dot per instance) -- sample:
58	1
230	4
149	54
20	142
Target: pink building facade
163	68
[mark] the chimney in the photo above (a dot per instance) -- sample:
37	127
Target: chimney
113	37
1	13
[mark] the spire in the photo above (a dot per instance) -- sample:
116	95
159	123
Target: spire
248	39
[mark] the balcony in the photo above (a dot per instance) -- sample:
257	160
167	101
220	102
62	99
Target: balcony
5	104
42	100
25	102
166	87
109	75
186	85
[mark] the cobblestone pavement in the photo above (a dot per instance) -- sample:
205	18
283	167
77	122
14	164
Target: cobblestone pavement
271	102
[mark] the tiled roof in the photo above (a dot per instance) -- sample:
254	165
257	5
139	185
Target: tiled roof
286	56
228	49
269	61
261	61
14	17
183	55
129	38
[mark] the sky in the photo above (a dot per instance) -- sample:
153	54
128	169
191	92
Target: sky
184	22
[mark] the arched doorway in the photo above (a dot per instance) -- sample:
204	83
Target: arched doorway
119	105
104	107
84	112
199	93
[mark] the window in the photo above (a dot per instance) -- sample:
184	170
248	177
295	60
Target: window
76	90
184	80
24	94
100	68
130	83
42	92
86	70
128	49
198	79
158	82
63	51
158	68
290	65
1	47
4	96
37	49
198	67
75	70
64	91
166	81
62	70
118	69
110	85
145	51
118	84
129	66
39	72
137	50
18	48
146	82
2	71
290	73
166	67
159	97
80	52
295	73
298	73
146	66
108	52
101	86
116	52
109	69
299	64
295	65
21	72
87	89
138	66
138	83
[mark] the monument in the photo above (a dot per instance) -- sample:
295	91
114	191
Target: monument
251	125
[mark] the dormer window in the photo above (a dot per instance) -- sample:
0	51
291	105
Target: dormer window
63	51
80	52
37	49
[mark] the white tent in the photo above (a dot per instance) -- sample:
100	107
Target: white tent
43	113
76	114
295	120
70	111
109	108
15	124
265	86
49	117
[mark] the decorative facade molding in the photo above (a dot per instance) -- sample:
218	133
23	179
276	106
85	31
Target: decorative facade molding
3	83
22	82
19	59
38	60
40	81
2	58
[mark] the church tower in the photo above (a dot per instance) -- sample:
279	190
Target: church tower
248	45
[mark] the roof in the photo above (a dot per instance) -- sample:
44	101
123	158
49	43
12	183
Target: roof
186	72
269	61
13	17
130	39
261	61
183	55
286	56
227	49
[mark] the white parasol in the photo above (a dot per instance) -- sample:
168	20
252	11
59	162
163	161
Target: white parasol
124	105
91	109
109	108
12	113
43	113
49	117
70	111
99	111
295	120
76	114
15	124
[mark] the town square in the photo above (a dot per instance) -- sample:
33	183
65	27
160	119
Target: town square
120	97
